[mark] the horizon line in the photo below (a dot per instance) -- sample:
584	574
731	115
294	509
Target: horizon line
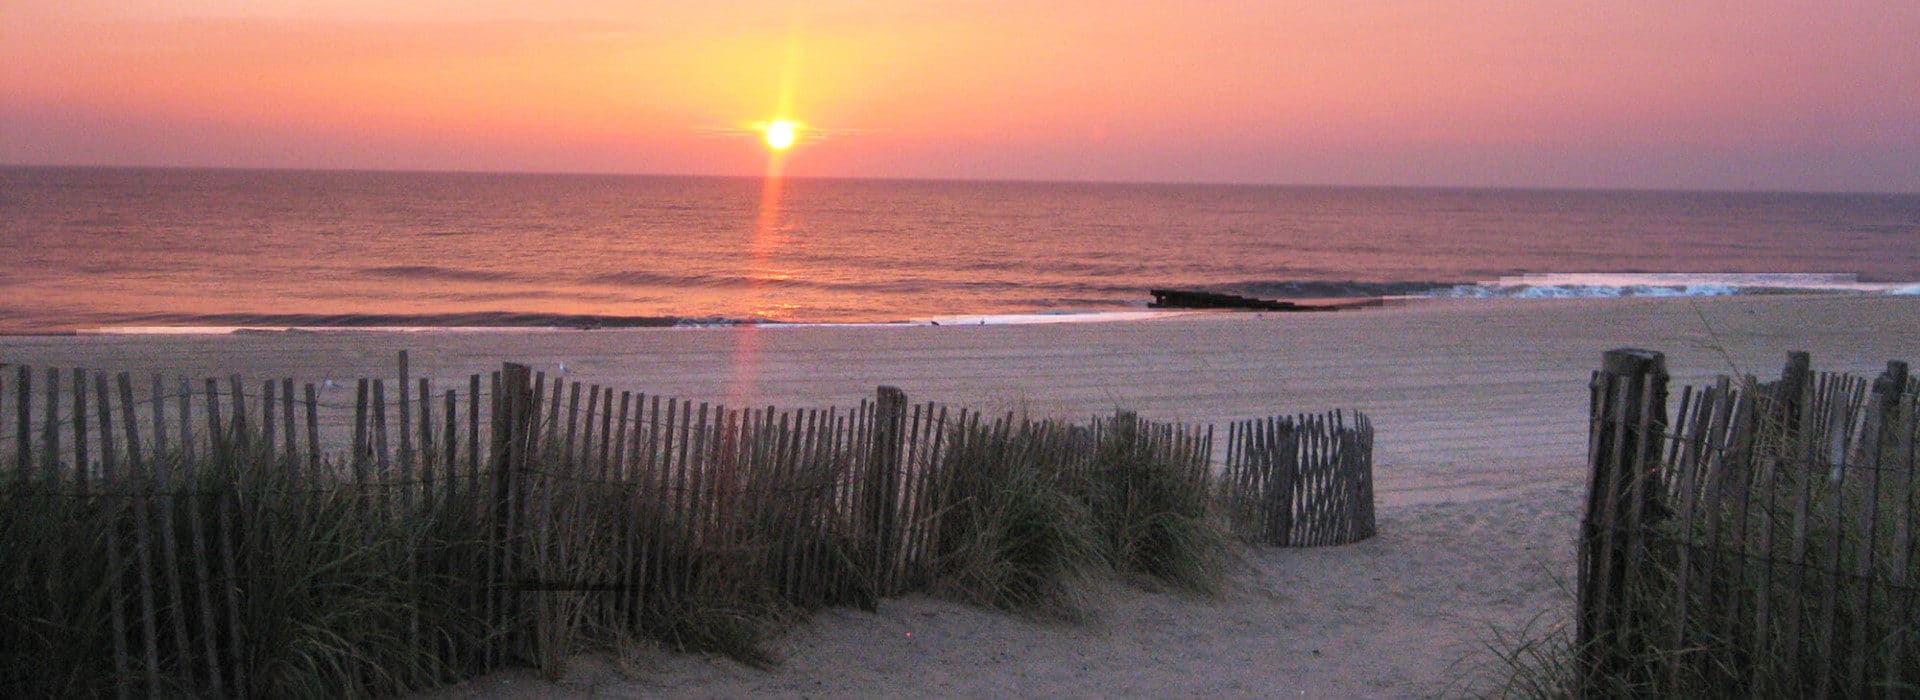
964	180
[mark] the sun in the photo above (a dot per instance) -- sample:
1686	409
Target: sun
780	134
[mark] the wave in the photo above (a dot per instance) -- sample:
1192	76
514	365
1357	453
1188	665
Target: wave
1688	284
1578	285
434	272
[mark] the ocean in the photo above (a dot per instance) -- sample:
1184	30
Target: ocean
96	248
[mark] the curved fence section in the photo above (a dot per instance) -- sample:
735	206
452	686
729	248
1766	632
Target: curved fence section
1301	481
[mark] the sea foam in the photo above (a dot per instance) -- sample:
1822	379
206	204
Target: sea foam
1682	284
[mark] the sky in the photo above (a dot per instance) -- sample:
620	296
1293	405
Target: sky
1761	94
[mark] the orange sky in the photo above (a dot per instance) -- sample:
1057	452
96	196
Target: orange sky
1722	95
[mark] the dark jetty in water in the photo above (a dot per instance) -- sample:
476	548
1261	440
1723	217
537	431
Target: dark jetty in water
1188	299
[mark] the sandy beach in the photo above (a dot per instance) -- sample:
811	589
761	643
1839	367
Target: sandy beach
1479	408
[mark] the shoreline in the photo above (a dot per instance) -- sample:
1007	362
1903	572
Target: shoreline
1359	296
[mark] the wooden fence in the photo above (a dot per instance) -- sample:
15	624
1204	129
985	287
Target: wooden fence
510	513
1300	481
1757	541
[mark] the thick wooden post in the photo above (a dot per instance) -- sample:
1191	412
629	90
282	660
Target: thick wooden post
1628	422
1880	461
883	485
512	430
1789	394
1887	391
1286	464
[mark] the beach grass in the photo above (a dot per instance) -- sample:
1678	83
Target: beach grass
325	586
1036	521
1156	517
309	580
1018	539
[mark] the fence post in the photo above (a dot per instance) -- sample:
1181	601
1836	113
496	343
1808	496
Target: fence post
883	482
1628	423
1887	390
1788	396
1881	439
512	429
1283	464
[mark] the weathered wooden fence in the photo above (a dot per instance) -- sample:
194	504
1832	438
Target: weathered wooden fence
1757	541
1300	481
507	513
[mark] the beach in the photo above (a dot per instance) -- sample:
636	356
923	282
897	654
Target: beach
1479	407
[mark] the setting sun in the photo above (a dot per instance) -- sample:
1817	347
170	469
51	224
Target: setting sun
780	134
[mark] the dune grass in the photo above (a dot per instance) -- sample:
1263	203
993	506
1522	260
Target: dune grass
1040	510
278	579
326	589
1016	538
1156	516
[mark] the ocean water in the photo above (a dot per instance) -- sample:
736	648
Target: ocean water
91	248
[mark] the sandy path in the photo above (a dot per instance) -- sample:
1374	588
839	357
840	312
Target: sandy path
1399	615
1480	408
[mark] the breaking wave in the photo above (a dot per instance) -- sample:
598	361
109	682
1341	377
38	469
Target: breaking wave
1579	285
1584	285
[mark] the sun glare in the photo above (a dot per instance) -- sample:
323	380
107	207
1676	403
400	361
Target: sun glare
780	134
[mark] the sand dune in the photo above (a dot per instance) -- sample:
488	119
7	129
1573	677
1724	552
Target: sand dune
1479	408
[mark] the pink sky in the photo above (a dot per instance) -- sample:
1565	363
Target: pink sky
1715	95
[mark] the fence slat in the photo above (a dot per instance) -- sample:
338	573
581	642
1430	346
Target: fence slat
473	433
23	421
204	628
427	457
49	431
361	451
196	528
573	425
383	461
606	432
290	448
312	397
699	463
450	444
267	411
230	587
622	436
242	435
404	404
81	466
162	472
